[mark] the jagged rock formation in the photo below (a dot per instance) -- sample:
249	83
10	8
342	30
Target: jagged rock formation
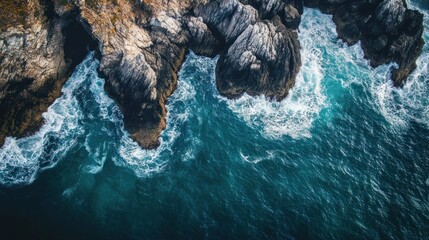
142	43
388	31
34	63
263	59
139	61
260	57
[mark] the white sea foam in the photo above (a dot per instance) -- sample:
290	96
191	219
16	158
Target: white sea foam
251	158
104	102
147	162
295	115
97	154
22	159
400	106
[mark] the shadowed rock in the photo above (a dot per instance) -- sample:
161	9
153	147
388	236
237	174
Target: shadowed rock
201	40
292	17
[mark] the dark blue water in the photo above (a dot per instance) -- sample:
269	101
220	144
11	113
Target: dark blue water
344	156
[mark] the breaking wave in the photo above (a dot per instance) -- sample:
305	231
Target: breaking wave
22	159
402	106
295	115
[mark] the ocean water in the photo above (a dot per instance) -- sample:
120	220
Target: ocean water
345	156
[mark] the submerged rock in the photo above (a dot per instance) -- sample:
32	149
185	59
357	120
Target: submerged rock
141	45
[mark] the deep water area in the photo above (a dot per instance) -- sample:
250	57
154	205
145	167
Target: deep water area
344	156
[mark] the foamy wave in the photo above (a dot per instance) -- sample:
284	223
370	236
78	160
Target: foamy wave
106	110
147	162
104	102
22	159
295	115
401	106
143	162
15	167
97	154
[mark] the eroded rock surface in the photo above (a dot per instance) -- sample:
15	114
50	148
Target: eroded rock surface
142	44
264	59
33	64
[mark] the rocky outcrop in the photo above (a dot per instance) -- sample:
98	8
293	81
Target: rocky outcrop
270	8
292	16
34	64
141	54
260	56
264	59
142	44
201	39
388	31
229	18
139	65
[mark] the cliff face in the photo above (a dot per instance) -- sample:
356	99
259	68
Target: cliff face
33	64
142	43
39	47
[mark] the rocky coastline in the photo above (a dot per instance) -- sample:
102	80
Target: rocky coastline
141	45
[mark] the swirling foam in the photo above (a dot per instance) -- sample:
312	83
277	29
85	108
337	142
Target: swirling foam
22	159
295	115
147	162
401	106
105	111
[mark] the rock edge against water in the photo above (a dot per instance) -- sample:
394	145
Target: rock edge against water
141	45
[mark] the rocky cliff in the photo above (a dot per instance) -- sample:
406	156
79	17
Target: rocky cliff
142	44
36	57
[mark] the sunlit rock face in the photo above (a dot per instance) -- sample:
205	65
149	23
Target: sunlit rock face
35	61
141	45
264	59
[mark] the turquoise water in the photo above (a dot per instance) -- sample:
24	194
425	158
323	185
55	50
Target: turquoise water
344	156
